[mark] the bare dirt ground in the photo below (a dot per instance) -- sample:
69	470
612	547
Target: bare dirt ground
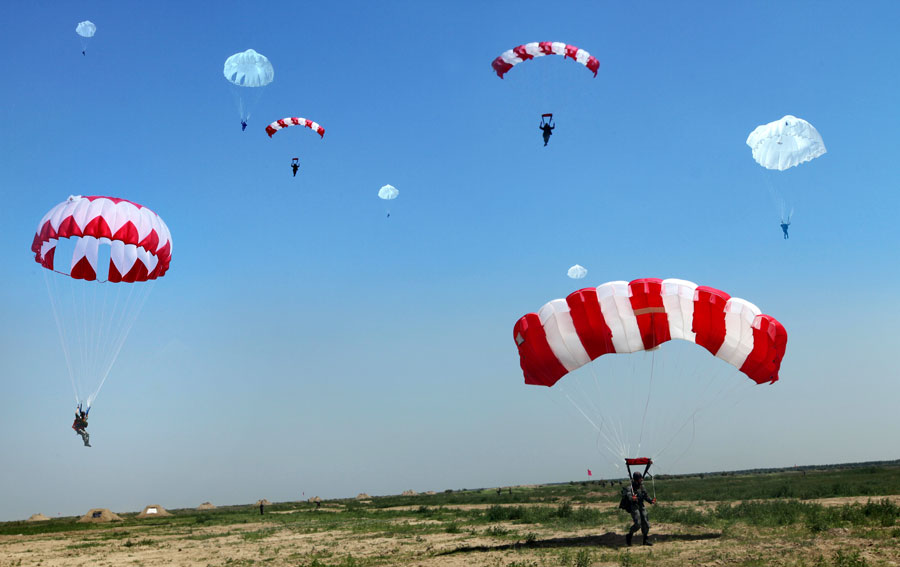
501	545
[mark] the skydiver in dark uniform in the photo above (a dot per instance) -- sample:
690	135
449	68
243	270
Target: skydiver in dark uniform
243	125
80	425
784	227
547	129
633	498
295	165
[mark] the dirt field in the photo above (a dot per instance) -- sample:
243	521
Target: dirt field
408	538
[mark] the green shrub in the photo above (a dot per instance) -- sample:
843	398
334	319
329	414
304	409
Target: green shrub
848	559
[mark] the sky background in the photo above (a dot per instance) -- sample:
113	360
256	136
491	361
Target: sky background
304	344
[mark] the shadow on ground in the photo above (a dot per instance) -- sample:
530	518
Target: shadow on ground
609	539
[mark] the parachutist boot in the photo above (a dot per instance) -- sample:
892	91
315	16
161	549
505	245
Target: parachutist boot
628	537
647	541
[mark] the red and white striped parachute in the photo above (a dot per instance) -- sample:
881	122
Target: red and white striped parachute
508	59
93	315
623	317
139	241
285	122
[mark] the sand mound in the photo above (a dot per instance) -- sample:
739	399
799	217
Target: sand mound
206	506
362	496
409	493
37	518
430	493
99	515
264	502
153	511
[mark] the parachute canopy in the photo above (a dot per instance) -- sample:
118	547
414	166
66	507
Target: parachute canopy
94	312
623	317
785	143
249	69
139	241
508	59
388	192
577	272
285	122
86	29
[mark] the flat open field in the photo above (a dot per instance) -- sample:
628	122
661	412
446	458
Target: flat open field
842	517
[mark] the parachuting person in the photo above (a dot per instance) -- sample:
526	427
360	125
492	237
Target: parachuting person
547	127
71	242
80	425
295	165
247	73
781	145
86	31
633	498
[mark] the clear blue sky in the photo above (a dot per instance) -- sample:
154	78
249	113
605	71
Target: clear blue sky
304	344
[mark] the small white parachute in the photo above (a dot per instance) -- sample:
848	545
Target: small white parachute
388	192
86	29
577	272
785	143
249	69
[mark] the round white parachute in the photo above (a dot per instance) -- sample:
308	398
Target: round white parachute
577	272
86	29
785	143
249	69
388	192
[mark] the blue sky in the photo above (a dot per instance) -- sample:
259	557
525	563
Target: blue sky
304	344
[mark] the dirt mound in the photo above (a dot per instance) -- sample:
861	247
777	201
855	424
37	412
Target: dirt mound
153	511
362	496
206	506
99	515
409	493
37	518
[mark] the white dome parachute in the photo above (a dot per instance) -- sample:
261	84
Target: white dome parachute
388	192
247	72
86	29
785	143
577	272
249	69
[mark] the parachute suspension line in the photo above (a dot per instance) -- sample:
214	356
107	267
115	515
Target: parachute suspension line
62	339
647	404
104	328
131	310
591	421
672	438
589	399
777	197
615	438
95	334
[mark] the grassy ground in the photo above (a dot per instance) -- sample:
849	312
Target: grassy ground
818	518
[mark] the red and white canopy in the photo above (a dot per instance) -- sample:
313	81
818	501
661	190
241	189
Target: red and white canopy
285	122
623	317
508	59
139	241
